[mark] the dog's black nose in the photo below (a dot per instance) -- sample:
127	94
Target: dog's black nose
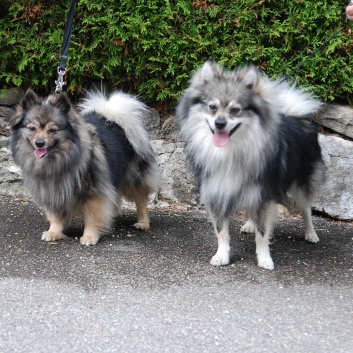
40	143
220	123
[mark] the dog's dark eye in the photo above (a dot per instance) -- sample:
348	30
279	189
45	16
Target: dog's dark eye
235	110
213	108
52	131
32	128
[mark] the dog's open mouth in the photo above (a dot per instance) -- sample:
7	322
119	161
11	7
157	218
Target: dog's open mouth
40	152
221	138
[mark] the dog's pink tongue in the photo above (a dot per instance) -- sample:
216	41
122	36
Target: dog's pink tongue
40	152
220	138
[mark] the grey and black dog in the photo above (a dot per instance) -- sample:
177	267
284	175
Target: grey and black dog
251	144
84	161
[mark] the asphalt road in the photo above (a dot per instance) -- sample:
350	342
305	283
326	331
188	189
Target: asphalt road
155	291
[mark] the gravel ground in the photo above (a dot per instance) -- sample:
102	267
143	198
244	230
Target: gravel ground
155	291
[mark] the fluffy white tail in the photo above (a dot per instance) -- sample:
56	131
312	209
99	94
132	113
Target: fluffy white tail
126	111
296	102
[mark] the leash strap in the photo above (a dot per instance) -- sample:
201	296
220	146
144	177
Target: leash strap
65	49
323	45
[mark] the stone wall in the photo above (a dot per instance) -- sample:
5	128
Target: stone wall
336	139
336	196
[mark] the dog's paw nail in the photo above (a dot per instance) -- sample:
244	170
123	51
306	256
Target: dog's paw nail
52	236
89	240
219	261
312	238
266	263
247	229
142	226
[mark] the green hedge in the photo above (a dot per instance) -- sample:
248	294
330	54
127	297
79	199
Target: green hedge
150	47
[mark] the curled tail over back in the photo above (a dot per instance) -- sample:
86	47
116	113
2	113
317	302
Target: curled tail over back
297	102
126	111
287	99
129	113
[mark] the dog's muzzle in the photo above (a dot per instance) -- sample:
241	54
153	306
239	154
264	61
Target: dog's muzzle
220	126
40	143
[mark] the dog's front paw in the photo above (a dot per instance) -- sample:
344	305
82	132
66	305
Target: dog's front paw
312	237
142	225
52	236
248	227
265	262
219	260
89	239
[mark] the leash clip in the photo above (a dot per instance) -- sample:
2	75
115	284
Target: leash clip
60	81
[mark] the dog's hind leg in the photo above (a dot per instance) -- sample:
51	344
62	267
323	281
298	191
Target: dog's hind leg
222	255
248	227
118	206
310	233
143	221
56	228
303	202
263	231
97	216
305	211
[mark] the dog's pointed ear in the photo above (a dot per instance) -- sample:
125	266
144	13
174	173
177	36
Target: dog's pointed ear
207	73
15	120
64	103
60	101
251	77
29	99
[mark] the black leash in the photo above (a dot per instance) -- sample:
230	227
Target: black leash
323	45
65	49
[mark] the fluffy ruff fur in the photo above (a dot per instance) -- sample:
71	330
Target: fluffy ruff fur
251	145
84	161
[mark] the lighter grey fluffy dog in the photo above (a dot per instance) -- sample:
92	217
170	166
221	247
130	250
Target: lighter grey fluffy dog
251	144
